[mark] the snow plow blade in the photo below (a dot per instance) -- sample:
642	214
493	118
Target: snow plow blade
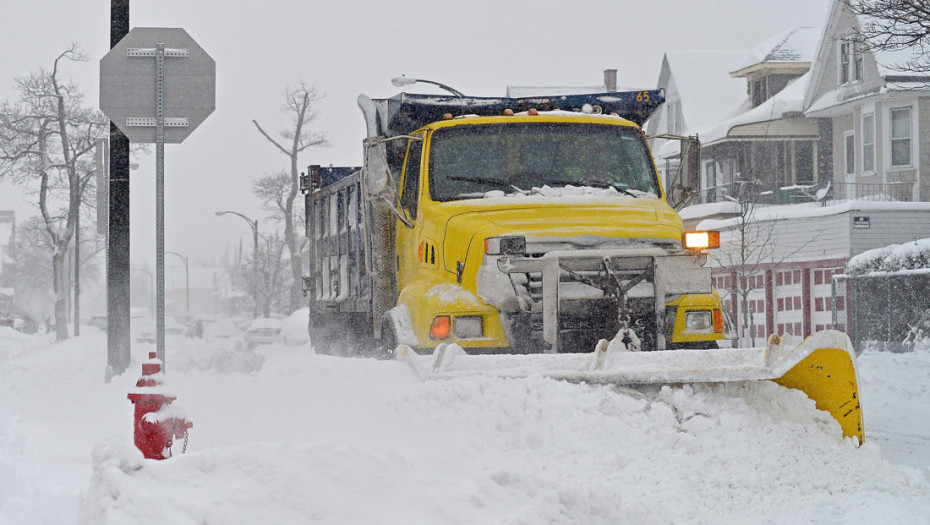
822	366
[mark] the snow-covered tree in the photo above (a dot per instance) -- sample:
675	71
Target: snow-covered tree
47	138
300	104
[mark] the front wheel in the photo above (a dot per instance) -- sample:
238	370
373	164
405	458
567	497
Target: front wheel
388	340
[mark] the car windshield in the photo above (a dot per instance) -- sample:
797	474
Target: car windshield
467	161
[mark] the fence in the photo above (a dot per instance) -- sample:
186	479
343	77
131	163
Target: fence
881	308
827	192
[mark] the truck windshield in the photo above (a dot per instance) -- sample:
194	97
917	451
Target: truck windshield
468	161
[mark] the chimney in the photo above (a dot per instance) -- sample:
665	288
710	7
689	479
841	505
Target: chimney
610	80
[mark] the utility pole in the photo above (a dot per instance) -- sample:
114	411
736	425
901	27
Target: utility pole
118	269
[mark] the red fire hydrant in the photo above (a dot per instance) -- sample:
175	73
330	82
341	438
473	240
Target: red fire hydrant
156	422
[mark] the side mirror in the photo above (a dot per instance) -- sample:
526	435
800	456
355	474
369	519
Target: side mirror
687	181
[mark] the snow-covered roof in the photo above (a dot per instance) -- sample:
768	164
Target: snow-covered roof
795	46
802	211
703	83
832	101
713	91
787	101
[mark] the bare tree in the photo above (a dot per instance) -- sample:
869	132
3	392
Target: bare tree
299	104
894	25
46	144
272	275
32	270
754	247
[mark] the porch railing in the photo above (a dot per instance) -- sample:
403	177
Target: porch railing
825	193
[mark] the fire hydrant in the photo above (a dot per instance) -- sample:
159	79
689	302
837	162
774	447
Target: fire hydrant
156	422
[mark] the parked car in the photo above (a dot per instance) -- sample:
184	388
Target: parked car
147	329
263	331
220	329
98	321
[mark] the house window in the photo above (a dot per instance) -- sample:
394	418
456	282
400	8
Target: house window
759	92
900	137
844	62
850	61
850	138
868	143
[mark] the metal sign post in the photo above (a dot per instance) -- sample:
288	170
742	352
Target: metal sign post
160	201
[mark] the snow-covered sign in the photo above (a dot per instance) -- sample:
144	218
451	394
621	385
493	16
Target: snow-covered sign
128	84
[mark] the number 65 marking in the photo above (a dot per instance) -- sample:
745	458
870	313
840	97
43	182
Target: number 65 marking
642	96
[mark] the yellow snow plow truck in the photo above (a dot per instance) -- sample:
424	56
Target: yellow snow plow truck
518	236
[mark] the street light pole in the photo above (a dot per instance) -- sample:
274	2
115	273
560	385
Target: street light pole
254	225
187	287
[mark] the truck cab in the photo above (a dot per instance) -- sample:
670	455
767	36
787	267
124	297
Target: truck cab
480	194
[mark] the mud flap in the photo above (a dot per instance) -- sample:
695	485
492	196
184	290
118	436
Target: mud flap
828	377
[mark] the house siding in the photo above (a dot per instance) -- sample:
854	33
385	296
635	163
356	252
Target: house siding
887	227
841	125
794	295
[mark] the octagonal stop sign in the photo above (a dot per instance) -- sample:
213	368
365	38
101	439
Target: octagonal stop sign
128	84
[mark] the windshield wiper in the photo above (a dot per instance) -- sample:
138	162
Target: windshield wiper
488	180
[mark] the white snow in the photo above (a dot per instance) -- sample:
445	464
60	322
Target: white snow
797	45
913	255
283	436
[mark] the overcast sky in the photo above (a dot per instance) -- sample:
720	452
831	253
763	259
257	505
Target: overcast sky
348	47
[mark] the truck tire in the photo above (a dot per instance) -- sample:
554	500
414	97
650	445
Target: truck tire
388	340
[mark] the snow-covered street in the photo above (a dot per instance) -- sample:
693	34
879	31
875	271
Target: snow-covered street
282	435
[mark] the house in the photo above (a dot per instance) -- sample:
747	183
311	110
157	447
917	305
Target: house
826	155
698	90
752	127
880	117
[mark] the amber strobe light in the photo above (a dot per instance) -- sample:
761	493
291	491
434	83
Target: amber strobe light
701	240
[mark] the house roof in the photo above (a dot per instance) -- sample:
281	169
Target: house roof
785	103
795	47
705	89
828	103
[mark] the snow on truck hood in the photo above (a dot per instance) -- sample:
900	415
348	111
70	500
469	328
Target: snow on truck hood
537	216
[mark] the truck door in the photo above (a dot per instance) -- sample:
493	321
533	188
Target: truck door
408	202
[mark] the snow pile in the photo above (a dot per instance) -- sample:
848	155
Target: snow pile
310	438
914	255
570	191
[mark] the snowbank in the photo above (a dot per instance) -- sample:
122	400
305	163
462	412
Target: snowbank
307	438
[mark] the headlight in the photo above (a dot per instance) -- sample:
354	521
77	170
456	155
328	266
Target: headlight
469	327
505	245
699	320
